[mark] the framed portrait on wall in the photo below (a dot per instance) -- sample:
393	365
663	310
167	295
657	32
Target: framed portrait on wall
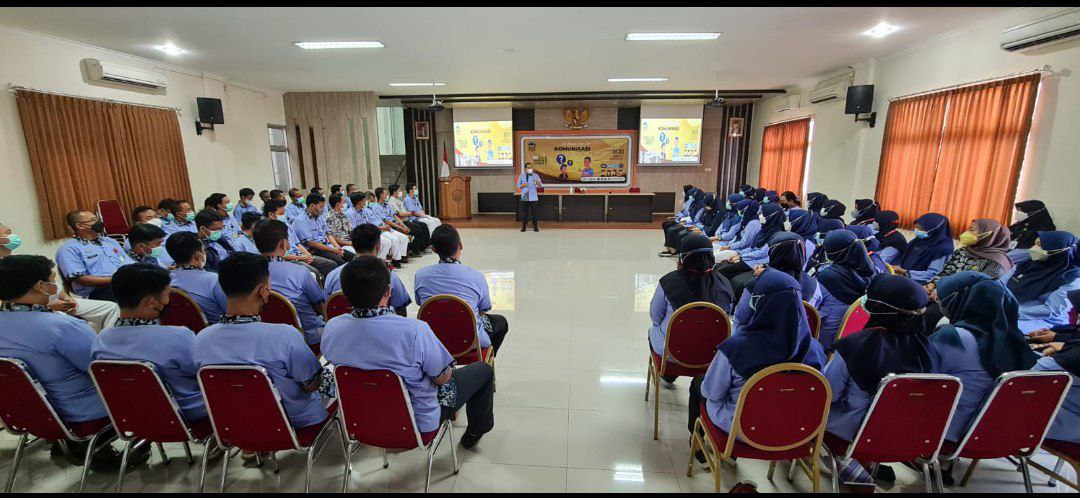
421	130
735	127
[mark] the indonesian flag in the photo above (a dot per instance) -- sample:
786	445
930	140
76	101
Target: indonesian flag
444	170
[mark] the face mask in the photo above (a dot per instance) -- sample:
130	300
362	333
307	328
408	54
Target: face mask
787	226
415	193
819	238
874	226
1020	216
1038	254
98	227
968	238
765	200
190	216
727	205
154	221
919	234
171	217
754	299
302	200
761	218
157	252
14	241
54	295
856	213
214	236
230	206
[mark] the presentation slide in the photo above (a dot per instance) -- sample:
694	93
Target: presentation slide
579	159
483	144
670	141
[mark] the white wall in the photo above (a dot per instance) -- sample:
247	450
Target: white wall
234	156
846	156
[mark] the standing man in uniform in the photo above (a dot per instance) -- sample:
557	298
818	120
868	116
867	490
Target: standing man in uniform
529	182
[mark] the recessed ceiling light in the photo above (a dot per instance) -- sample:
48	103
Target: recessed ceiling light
635	80
326	45
882	30
417	84
170	49
671	36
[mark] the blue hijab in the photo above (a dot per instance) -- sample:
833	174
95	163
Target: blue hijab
824	226
1033	280
815	201
731	214
777	331
833	209
921	251
713	215
983	306
747	209
865	211
787	253
774	223
803	223
696	196
770	197
866	234
849	274
746	190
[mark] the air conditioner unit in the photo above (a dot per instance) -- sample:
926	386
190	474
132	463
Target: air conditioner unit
787	103
833	86
115	73
1051	30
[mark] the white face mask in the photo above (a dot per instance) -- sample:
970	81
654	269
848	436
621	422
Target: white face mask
1020	216
761	218
875	226
154	221
54	296
787	226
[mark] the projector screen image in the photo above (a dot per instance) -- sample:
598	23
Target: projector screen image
600	160
670	141
483	144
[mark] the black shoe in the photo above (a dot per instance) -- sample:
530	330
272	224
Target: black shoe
885	474
404	259
469	440
522	228
396	264
535	228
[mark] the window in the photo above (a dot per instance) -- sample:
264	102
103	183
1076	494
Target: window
279	156
391	122
785	149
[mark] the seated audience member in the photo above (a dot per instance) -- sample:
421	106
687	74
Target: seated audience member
389	216
983	248
893	342
245	242
1042	283
350	189
865	212
89	258
366	242
815	202
147	244
164	211
143	294
190	275
182	219
296	207
211	232
336	189
739	268
313	233
742	234
691	282
712	218
374	337
804	224
843	281
414	206
789	200
771	197
866	234
9	241
693	202
1031	218
777	332
450	276
926	254
337	222
298	254
241	338
54	346
278	195
295	283
246	205
787	255
358	201
1064	357
891	241
817	258
833	209
419	231
396	242
145	214
219	203
731	216
265	195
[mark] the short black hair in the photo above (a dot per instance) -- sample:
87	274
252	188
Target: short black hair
274	194
264	191
268	234
370	195
314	198
241	272
445	240
178	205
335	199
587	158
207	217
316	189
72	217
356	198
139	210
166	203
791	197
364	281
365	237
213	200
19	273
335	188
348	185
133	283
249	219
182	246
379	191
272	206
294	192
409	186
244	192
144	233
393	188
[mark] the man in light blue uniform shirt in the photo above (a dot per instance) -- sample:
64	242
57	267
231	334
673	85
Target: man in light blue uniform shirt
89	258
395	244
314	234
220	204
294	282
296	207
183	218
412	203
212	233
143	293
365	239
190	276
246	205
449	276
373	337
147	245
275	210
528	183
241	338
245	242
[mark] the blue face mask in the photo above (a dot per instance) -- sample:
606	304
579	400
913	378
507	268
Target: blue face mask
214	236
190	216
172	217
230	206
919	234
14	241
157	251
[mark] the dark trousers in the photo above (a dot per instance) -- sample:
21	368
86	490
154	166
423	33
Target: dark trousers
103	293
740	282
420	237
674	234
476	392
932	316
345	257
730	270
499	327
695	402
319	265
530	210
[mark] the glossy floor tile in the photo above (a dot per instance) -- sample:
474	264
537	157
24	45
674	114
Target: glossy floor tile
570	413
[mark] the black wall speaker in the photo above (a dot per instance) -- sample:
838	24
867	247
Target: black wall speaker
860	99
629	118
210	110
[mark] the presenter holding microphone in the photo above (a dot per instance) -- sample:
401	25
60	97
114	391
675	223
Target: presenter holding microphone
529	182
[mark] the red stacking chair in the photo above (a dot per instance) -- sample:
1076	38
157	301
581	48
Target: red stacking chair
338	304
1067	453
813	318
278	309
246	413
25	412
112	215
183	311
906	422
454	323
143	411
780	415
855	319
1013	420
376	411
1073	318
693	334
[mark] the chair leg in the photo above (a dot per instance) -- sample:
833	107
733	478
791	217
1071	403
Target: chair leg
967	473
648	379
385	459
273	461
693	452
187	453
348	467
15	465
928	477
224	467
834	473
164	456
205	460
307	470
430	460
453	447
656	407
815	471
936	467
1057	470
791	471
1026	473
123	464
86	460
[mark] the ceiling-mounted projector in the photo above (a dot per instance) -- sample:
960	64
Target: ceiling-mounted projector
717	100
436	105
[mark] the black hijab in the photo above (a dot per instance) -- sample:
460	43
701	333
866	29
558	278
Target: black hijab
787	253
815	201
888	235
849	274
1038	220
833	210
695	279
774	222
865	211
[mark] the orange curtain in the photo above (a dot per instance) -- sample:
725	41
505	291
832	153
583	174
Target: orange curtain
82	151
909	153
783	156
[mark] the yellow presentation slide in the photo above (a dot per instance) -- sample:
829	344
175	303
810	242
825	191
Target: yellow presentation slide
482	144
670	141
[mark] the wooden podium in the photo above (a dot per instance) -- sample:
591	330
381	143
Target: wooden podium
455	198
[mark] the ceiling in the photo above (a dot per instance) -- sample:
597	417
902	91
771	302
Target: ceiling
504	50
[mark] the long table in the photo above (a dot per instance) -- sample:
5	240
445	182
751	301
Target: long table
600	207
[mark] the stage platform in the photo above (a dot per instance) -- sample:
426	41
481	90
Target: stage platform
509	221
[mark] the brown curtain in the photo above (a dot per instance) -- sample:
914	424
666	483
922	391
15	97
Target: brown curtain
82	151
909	153
783	156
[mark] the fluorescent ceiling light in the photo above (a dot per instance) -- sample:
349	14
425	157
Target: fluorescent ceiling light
881	30
671	36
635	80
417	84
170	49
339	44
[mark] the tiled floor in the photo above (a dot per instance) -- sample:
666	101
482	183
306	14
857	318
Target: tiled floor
570	414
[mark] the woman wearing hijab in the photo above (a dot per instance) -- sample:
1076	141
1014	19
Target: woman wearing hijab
890	239
759	195
746	190
731	215
776	332
833	210
865	211
1060	356
866	235
893	342
742	234
983	248
925	255
1031	218
817	258
694	280
815	201
688	191
1042	284
702	219
756	253
771	197
684	218
804	224
843	281
787	254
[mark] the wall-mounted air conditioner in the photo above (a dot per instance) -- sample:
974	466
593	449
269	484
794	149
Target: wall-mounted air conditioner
115	73
833	86
1050	30
787	103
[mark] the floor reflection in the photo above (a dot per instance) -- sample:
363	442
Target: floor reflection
501	285
644	286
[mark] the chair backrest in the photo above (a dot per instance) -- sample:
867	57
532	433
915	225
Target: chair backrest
24	407
694	333
338	304
907	418
855	319
1015	417
813	318
245	408
278	309
1073	317
112	215
375	408
781	407
453	322
183	311
137	401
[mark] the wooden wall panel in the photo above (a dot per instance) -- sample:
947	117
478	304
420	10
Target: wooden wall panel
344	146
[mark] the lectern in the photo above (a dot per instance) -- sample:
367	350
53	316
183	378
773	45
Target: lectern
455	198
